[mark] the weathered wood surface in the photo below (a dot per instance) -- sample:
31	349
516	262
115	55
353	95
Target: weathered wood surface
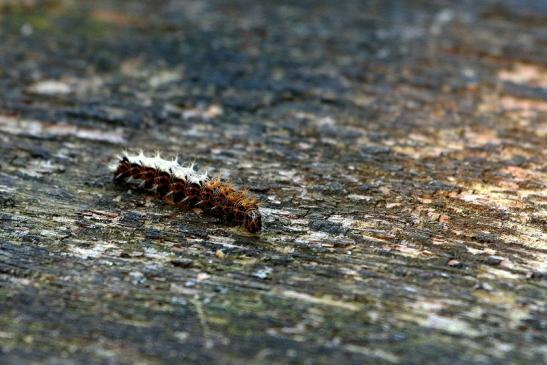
399	150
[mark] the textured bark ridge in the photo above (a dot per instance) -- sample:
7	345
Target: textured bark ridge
184	188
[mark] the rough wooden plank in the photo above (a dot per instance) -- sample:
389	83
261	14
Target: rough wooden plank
398	149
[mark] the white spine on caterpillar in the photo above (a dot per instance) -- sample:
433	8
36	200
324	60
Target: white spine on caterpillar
186	173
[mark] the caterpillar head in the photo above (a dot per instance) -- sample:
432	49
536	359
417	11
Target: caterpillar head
252	220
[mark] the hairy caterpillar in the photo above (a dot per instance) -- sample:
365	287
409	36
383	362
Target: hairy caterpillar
184	187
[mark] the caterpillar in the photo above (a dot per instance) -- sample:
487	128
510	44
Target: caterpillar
184	187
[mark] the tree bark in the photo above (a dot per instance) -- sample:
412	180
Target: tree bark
398	150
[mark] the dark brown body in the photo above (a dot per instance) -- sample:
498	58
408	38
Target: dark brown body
214	197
